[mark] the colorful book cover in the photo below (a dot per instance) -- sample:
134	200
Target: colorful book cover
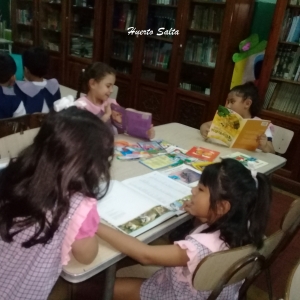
203	153
248	161
126	151
230	129
152	147
130	121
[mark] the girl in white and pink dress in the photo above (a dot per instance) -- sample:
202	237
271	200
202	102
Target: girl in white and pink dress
48	205
233	205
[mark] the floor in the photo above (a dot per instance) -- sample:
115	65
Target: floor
92	289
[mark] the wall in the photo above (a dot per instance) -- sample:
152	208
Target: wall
262	18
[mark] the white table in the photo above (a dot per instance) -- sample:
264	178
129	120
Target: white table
177	134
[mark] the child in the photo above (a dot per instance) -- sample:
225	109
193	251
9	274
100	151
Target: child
244	100
233	211
10	104
37	93
98	80
48	202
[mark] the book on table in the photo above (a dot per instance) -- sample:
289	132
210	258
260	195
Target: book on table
138	204
131	121
230	129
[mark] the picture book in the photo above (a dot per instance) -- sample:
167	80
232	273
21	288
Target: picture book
200	165
230	129
140	203
126	151
130	121
203	153
248	161
171	159
184	174
152	147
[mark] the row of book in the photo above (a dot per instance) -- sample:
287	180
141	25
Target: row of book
295	2
287	63
123	47
283	97
194	87
157	53
81	47
54	46
52	21
83	3
202	50
207	18
290	31
24	16
165	2
124	16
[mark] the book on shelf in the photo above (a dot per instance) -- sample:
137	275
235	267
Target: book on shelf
130	121
138	204
269	94
230	129
249	162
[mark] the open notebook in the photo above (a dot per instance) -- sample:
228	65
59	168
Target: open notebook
138	204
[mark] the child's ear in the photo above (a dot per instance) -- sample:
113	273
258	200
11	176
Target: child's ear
248	103
91	83
223	207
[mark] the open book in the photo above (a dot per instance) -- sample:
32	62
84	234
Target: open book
230	129
130	121
138	204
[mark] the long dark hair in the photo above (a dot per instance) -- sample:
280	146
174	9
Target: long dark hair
246	221
96	71
71	153
249	90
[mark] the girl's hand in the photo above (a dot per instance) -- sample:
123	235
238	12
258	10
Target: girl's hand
262	141
151	132
107	113
188	207
204	129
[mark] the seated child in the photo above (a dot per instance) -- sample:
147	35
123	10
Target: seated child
48	200
98	80
37	93
233	211
244	100
10	104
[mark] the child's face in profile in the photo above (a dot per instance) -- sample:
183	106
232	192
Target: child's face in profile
102	89
238	104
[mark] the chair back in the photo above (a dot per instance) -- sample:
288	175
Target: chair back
114	94
281	139
292	289
224	268
291	219
12	125
36	120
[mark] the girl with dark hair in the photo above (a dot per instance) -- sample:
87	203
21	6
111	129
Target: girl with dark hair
244	100
48	204
233	205
97	81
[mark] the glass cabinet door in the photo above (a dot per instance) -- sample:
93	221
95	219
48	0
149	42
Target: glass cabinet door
82	28
51	24
201	45
124	17
24	21
161	19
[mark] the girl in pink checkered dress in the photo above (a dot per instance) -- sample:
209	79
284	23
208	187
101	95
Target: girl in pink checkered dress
48	202
232	204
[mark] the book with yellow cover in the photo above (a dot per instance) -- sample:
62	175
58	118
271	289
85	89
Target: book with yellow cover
230	129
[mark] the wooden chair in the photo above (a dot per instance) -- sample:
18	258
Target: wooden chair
292	289
223	268
12	125
276	243
281	139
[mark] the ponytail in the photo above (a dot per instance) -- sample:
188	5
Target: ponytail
260	210
80	84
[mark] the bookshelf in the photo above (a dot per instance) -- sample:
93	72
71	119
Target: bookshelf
173	72
279	85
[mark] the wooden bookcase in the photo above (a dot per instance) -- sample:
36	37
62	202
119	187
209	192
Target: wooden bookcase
70	29
180	77
280	89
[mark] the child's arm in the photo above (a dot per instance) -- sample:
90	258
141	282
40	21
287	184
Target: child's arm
264	144
168	256
204	129
107	113
85	250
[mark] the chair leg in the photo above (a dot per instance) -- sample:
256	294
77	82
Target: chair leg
269	283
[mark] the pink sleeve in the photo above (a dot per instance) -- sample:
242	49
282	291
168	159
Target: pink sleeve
83	224
89	225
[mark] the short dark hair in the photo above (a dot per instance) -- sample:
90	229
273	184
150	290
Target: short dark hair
71	153
8	67
246	221
36	60
249	90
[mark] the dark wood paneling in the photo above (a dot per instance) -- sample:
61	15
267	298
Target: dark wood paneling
73	71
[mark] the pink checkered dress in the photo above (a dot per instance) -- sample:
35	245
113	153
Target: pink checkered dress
30	274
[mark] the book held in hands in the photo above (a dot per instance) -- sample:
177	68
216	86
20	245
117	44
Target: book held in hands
230	129
130	121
